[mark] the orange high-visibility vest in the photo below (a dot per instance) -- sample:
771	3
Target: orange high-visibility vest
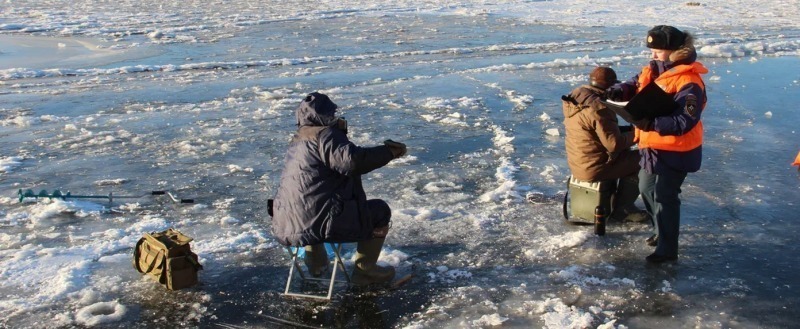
671	82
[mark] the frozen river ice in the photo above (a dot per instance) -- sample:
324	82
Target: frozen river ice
206	109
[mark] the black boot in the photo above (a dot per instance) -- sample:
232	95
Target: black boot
367	271
316	259
660	258
652	240
624	198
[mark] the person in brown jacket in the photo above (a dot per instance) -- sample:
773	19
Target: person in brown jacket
597	149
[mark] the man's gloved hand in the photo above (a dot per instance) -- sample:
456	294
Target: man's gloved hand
629	137
643	124
398	149
613	93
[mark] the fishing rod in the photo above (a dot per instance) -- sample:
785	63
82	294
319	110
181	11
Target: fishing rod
64	196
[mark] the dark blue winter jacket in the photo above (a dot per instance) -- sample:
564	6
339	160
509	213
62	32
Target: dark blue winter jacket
320	197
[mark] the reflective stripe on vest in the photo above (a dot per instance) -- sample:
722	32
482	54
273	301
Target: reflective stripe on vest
671	82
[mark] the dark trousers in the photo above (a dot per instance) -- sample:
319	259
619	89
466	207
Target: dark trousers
379	212
660	193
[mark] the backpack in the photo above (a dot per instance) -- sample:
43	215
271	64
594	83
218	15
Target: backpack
167	258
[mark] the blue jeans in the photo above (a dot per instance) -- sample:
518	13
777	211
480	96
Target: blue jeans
660	193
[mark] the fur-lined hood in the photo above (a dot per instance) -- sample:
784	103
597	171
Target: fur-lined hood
686	54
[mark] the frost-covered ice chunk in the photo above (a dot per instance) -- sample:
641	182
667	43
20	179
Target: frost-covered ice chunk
228	220
43	210
492	320
19	120
483	222
556	314
501	139
392	257
155	35
430	214
9	163
549	172
445	274
667	286
555	243
232	168
441	186
506	192
243	240
519	101
111	182
100	313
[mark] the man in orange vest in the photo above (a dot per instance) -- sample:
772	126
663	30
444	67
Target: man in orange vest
670	145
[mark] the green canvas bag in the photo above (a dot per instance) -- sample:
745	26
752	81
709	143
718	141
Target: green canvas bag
167	258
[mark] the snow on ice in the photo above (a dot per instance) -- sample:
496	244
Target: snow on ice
197	97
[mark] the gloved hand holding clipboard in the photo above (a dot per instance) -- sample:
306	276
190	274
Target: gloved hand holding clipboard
649	103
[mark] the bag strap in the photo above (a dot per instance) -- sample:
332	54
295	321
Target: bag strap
564	204
160	263
191	257
157	262
136	255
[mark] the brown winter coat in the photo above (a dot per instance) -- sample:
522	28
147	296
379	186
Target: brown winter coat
596	148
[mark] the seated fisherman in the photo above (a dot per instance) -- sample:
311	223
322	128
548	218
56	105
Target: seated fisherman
597	149
321	199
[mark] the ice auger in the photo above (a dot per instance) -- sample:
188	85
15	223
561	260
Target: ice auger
64	196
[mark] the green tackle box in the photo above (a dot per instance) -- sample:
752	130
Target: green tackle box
585	196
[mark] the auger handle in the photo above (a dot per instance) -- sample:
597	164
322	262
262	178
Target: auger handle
172	196
63	196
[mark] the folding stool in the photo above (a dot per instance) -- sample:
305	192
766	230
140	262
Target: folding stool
295	265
